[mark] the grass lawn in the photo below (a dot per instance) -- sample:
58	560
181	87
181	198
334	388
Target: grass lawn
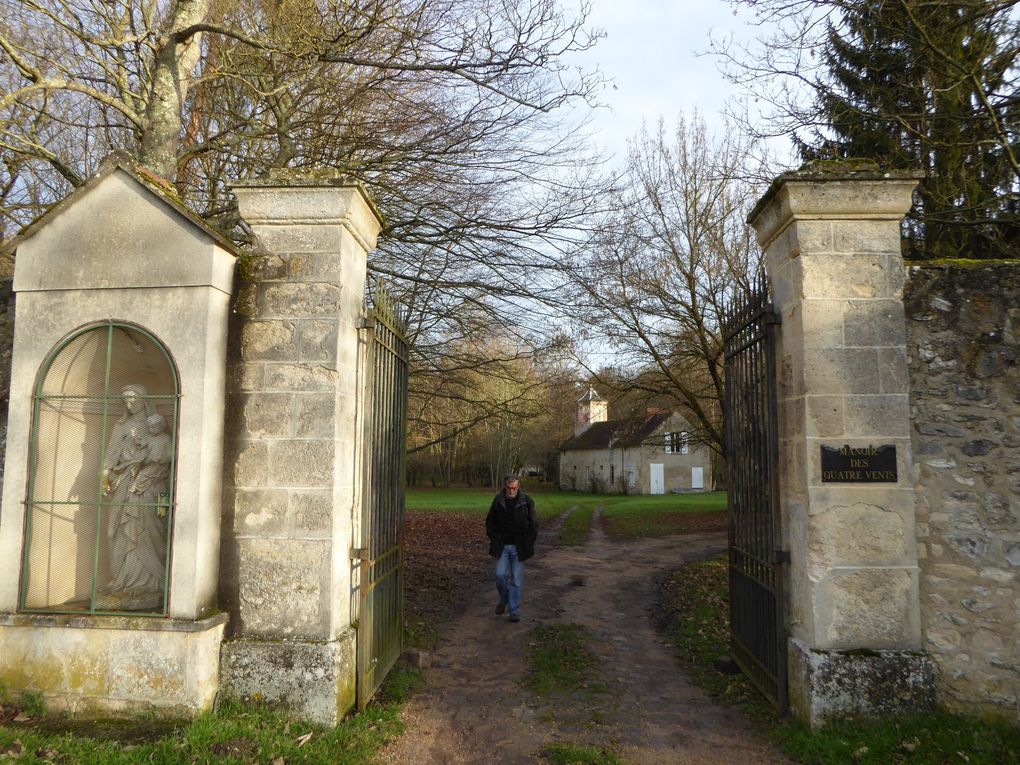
637	517
627	517
550	502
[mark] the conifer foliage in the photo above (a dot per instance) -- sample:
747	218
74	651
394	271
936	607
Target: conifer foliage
929	85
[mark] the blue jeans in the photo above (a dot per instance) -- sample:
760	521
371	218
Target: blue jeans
510	577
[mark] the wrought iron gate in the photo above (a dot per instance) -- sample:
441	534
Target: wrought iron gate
758	635
381	590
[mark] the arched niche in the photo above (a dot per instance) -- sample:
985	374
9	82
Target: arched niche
100	509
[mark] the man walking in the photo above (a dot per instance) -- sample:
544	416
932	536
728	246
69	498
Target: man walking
512	527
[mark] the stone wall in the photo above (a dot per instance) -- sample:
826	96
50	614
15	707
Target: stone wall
292	502
964	343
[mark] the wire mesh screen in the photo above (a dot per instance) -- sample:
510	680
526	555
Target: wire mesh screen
100	509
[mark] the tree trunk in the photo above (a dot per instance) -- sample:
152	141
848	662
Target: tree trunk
176	59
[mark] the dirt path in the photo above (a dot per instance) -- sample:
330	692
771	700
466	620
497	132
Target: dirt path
475	708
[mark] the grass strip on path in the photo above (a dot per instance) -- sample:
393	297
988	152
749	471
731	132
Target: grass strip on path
576	754
559	659
575	528
695	605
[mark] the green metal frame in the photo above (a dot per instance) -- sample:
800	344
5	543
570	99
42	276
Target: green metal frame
38	400
380	601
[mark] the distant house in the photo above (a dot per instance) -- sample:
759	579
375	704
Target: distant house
651	454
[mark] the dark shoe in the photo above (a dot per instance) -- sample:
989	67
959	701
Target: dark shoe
515	617
500	608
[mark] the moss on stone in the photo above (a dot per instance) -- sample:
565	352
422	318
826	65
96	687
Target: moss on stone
848	165
968	263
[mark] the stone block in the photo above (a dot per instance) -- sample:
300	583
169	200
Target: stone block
881	417
838	371
867	236
246	377
320	266
300	377
301	464
317	340
260	511
267	414
300	299
824	416
312	511
315	415
893	372
820	323
842	277
261	266
859	534
871	323
784	280
55	662
791	369
251	465
148	667
829	685
283	587
806	237
867	608
313	681
793	466
268	340
972	544
296	240
92	666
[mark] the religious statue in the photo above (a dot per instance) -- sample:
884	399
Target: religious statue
135	489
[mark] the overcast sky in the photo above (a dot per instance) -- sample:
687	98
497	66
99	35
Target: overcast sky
651	55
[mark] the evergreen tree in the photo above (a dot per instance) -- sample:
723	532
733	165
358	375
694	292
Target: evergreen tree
930	85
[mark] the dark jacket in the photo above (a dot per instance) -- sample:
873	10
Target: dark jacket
516	526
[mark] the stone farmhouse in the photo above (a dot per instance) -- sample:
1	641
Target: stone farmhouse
650	454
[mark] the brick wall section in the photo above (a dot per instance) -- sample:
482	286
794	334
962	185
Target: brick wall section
964	343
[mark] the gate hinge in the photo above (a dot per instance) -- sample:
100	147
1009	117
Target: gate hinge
781	556
358	552
367	323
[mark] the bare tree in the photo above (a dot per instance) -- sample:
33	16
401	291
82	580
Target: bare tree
478	423
449	111
652	282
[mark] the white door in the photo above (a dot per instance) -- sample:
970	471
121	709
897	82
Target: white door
657	482
697	478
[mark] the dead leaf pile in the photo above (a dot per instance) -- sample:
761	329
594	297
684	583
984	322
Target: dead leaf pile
446	560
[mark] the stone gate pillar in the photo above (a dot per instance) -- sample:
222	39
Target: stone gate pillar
292	501
832	242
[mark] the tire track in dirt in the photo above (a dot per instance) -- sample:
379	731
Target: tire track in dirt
476	710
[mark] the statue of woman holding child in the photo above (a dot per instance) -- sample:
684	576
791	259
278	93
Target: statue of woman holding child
136	471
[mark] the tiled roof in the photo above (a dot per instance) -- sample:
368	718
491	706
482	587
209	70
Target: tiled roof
632	431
